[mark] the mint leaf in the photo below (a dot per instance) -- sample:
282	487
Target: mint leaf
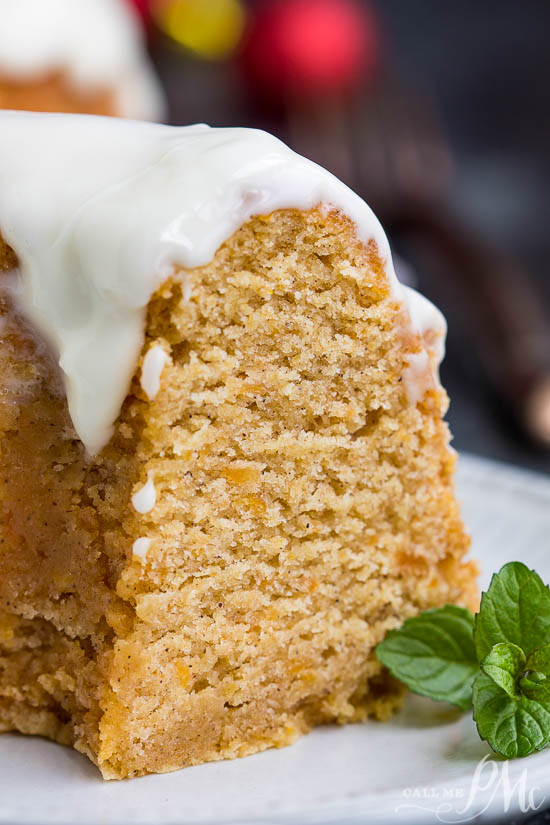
434	655
536	682
505	664
513	727
535	686
515	609
539	660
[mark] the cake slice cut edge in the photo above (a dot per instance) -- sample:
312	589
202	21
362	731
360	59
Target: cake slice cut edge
215	580
224	471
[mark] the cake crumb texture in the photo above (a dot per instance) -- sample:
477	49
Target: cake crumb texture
303	507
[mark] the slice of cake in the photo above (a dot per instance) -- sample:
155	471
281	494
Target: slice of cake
224	472
76	56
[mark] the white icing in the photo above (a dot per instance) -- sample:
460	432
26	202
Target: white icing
100	211
423	366
429	321
187	290
418	376
141	547
145	498
153	364
98	43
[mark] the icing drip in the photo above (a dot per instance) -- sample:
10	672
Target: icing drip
429	321
145	499
423	366
141	547
153	364
138	201
98	43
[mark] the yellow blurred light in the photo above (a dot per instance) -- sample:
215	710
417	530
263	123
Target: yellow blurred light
210	28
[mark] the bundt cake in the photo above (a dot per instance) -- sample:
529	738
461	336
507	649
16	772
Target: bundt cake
76	56
224	473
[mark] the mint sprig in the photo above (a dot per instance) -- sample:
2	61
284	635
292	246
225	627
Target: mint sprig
535	684
513	727
505	664
497	663
515	608
434	654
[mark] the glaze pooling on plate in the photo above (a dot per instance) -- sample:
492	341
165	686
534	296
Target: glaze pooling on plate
136	202
98	43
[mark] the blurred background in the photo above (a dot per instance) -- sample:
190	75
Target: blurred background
438	114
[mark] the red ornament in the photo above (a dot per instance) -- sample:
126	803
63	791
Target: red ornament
142	8
311	47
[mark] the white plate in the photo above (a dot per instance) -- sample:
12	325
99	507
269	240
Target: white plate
418	768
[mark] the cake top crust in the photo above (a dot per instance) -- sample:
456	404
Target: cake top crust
97	43
101	211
